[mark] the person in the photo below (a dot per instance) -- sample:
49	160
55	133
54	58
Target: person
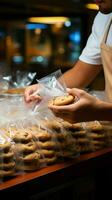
96	55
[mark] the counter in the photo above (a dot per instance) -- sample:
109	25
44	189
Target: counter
62	176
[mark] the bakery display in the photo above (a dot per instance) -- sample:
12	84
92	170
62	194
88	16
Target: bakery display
37	146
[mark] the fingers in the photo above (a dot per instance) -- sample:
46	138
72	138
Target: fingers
76	92
27	96
30	94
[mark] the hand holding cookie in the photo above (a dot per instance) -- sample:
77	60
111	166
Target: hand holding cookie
59	104
83	107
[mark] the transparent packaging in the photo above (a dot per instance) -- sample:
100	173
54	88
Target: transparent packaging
7	157
97	135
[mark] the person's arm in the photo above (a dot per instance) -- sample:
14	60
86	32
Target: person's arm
81	75
87	108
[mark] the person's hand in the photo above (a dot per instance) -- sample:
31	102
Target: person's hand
86	108
31	94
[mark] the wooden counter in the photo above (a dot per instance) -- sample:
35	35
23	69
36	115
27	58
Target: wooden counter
59	176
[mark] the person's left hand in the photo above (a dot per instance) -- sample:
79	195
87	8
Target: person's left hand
86	108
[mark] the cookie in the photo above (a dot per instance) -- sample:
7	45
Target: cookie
62	100
70	153
51	161
5	147
61	137
83	141
32	166
6	156
53	125
42	136
22	136
79	134
47	153
48	161
97	136
98	143
28	158
94	127
6	173
71	127
7	166
25	148
47	145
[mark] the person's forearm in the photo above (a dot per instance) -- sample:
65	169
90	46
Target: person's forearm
104	112
80	75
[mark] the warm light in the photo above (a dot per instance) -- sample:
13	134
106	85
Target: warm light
92	6
38	31
48	20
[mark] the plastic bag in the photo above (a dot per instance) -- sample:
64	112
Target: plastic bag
7	157
50	86
96	134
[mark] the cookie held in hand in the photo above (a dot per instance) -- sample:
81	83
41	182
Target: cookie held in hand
62	100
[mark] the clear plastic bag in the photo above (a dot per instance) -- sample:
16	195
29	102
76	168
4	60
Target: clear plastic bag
50	86
7	157
20	79
96	134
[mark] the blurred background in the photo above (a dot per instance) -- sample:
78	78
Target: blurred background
43	35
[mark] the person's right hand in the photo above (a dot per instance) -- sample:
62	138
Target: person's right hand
31	93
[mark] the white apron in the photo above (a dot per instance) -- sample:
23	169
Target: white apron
106	55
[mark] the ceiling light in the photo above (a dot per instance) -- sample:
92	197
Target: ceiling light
48	20
92	6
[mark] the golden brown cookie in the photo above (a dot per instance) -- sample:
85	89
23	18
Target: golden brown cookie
47	145
71	127
31	166
51	161
79	134
97	136
42	136
22	136
61	137
6	156
6	173
62	100
53	125
70	154
94	127
7	166
25	148
83	141
5	147
98	143
48	161
28	158
47	153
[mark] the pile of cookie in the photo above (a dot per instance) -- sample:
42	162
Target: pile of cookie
66	144
25	148
79	133
97	135
107	127
7	158
46	144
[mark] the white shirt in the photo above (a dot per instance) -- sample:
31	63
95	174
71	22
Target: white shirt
91	53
